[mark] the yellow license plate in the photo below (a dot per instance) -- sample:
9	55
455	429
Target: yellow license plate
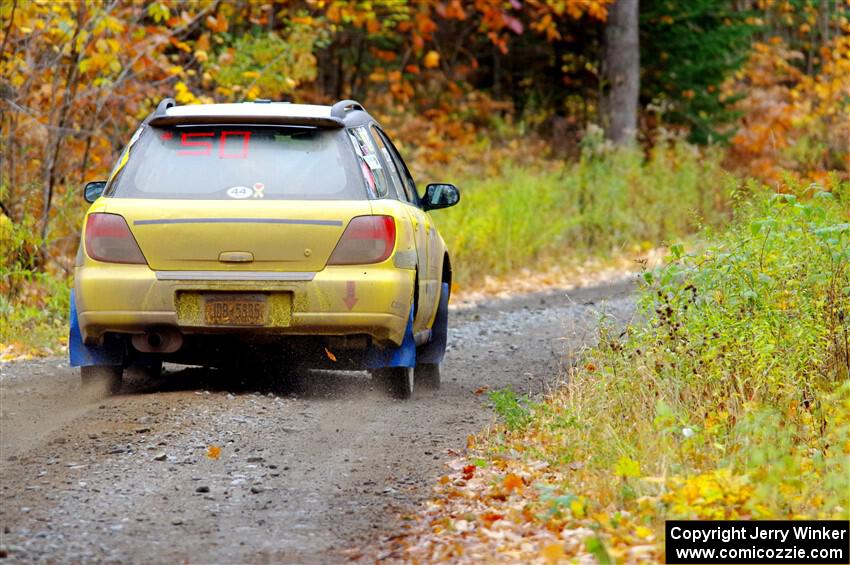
242	310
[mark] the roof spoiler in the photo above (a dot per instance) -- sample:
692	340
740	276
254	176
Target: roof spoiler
160	116
163	105
341	108
326	122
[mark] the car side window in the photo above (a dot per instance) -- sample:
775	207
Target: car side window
394	173
404	173
370	165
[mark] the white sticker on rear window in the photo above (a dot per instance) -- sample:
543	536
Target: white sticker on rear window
239	192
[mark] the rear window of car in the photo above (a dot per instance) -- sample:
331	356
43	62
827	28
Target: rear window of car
238	162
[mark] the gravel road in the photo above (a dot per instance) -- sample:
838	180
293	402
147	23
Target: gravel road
311	476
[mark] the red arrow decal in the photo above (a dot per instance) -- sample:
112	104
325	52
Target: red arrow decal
350	300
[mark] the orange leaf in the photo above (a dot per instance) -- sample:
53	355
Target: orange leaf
213	452
513	482
468	472
331	356
217	24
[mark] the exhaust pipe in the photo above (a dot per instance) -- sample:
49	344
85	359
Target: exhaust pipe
158	341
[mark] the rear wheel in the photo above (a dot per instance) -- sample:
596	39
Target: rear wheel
395	381
427	375
106	378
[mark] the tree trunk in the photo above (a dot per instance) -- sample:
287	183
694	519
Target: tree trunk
622	71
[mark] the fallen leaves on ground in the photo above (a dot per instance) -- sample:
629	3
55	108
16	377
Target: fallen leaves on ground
17	351
501	511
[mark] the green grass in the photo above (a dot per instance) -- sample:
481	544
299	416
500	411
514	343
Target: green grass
37	318
607	202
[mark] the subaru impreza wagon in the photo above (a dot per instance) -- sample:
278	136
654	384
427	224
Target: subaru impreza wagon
229	230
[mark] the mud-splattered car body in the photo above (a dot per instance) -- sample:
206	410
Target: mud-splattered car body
261	223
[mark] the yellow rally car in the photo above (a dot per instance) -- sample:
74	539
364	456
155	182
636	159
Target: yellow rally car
228	231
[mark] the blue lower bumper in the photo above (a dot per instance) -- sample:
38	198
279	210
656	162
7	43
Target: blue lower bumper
82	355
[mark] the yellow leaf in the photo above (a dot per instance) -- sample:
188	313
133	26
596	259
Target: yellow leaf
183	95
627	467
577	508
113	24
213	452
431	60
552	553
159	12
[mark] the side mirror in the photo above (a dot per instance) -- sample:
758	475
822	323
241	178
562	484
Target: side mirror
440	195
94	189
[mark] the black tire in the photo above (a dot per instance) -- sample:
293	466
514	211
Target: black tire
427	376
105	378
395	381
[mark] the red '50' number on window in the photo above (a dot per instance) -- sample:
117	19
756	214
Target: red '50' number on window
204	147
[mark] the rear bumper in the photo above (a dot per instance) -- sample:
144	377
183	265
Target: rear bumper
337	301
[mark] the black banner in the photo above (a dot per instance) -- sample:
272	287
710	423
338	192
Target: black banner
757	541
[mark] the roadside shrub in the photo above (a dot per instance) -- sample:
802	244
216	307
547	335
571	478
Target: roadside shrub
743	359
33	303
729	398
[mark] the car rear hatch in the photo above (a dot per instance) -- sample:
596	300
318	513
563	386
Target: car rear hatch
180	235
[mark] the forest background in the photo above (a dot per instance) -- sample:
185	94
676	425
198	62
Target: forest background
519	102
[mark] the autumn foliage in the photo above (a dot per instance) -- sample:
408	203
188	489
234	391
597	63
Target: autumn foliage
469	89
793	121
75	78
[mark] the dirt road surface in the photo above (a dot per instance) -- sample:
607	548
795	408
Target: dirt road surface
311	476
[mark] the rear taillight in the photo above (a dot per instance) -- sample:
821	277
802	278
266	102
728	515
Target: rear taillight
367	239
108	239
